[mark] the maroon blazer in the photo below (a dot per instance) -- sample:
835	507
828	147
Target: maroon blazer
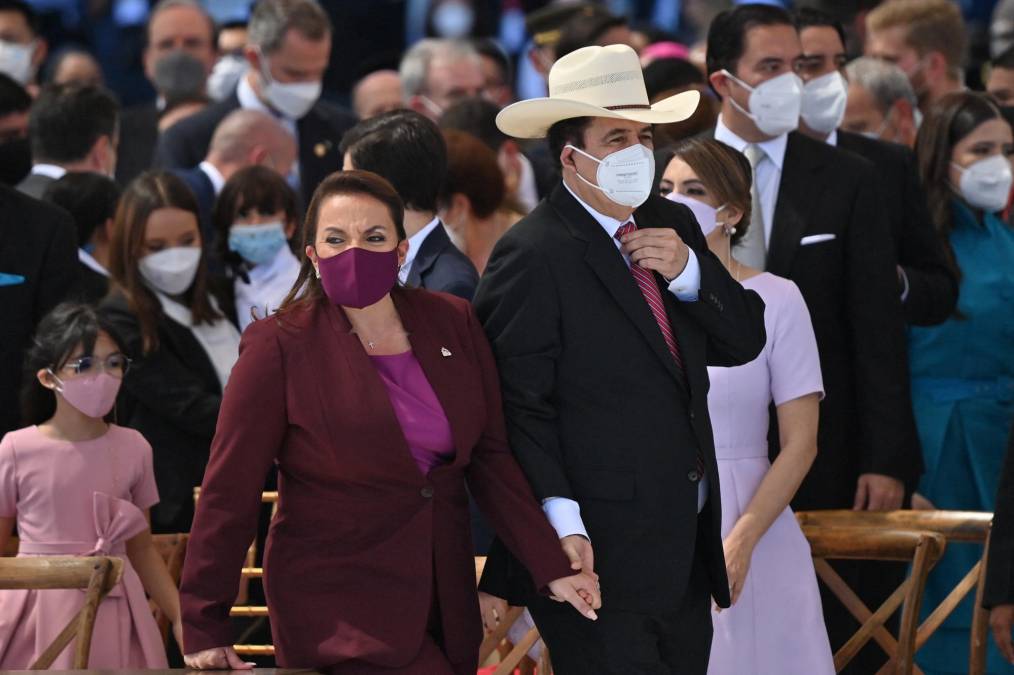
361	536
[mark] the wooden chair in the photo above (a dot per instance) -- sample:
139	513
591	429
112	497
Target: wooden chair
921	549
511	655
96	575
957	527
173	549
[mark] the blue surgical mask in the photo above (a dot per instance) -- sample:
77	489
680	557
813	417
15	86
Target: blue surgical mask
257	244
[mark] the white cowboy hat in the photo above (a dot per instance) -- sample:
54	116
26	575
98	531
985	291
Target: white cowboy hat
594	82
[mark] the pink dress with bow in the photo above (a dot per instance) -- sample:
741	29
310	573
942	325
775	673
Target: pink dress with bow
81	498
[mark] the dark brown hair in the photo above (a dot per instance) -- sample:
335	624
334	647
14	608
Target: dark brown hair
252	188
725	173
472	170
148	193
307	290
949	120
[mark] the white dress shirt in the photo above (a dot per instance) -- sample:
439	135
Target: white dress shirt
269	284
219	338
414	243
214	175
565	514
52	170
86	258
769	170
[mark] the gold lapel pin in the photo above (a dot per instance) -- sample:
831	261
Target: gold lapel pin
320	149
445	352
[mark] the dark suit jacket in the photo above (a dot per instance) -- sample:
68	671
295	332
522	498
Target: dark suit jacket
597	410
90	287
1000	568
185	144
38	264
440	266
850	285
35	184
932	285
138	138
172	396
204	191
361	536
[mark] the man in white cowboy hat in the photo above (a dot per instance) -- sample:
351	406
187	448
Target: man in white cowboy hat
604	308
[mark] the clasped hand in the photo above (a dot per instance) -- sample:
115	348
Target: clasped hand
658	249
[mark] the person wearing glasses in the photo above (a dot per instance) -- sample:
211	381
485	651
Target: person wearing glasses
77	485
182	344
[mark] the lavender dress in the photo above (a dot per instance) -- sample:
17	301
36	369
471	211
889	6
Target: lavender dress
777	625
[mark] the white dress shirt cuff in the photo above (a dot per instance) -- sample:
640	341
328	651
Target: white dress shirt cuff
687	285
565	516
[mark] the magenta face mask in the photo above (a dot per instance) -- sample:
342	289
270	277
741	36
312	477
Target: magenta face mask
358	278
93	395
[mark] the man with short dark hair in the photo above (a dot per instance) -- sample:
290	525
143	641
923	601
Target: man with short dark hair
408	150
1000	80
816	220
72	128
22	49
288	49
604	308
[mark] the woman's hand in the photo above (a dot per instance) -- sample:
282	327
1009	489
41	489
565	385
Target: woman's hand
219	658
738	551
493	610
920	503
581	591
1001	619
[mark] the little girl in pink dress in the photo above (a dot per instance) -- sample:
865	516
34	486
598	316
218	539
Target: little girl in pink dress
78	486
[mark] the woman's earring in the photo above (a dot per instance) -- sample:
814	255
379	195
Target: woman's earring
728	229
316	270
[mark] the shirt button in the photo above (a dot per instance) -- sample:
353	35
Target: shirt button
693	475
427	492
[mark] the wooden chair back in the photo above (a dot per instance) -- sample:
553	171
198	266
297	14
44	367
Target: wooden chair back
511	654
173	549
919	548
957	527
96	575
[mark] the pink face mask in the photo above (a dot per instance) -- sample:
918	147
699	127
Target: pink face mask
358	278
94	395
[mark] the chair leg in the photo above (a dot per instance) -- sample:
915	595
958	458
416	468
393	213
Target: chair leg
81	625
980	620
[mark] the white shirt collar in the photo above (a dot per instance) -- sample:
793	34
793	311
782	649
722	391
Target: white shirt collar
414	243
52	170
608	223
283	262
87	259
832	139
214	175
774	148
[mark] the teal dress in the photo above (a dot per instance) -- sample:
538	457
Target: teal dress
963	395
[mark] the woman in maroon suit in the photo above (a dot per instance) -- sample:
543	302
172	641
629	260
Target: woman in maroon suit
377	403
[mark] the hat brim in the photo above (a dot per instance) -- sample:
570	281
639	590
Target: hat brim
532	118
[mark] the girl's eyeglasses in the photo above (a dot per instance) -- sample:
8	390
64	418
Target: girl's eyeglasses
116	365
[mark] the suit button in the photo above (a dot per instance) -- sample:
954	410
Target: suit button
427	492
693	415
693	475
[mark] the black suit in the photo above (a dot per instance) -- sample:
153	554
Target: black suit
597	411
185	144
440	266
172	396
1000	568
90	287
138	138
38	264
204	191
932	285
35	184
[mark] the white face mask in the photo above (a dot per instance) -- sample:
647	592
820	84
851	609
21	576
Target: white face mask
225	76
171	270
824	100
625	176
16	60
293	99
774	104
986	184
707	216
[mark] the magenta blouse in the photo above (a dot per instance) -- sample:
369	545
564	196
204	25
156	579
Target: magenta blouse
419	412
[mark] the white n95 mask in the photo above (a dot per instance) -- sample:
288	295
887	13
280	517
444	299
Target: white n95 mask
171	270
824	100
774	104
625	176
986	184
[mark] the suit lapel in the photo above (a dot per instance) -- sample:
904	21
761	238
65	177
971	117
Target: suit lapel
318	153
795	198
429	251
608	265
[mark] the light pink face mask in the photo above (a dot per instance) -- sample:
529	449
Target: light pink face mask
94	395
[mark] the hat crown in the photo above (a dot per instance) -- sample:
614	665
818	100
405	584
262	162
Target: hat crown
607	77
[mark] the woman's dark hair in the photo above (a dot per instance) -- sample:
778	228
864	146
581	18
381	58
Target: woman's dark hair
472	170
253	188
149	192
90	198
307	290
951	119
724	172
59	333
